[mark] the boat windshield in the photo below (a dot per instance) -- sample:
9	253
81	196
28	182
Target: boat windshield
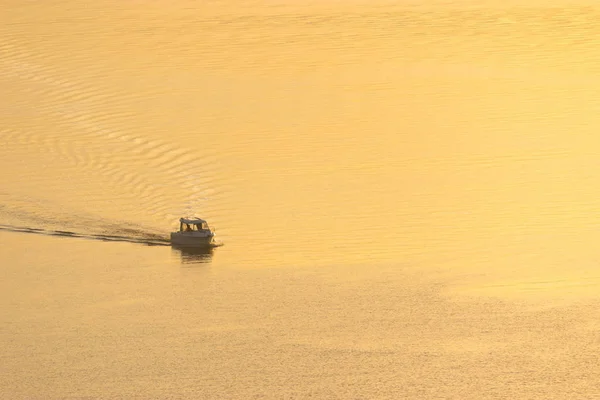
193	226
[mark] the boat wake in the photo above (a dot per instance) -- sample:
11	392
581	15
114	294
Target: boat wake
23	214
148	239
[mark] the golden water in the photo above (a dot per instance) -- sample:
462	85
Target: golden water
408	196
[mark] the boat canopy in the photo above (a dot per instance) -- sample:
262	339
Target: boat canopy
192	221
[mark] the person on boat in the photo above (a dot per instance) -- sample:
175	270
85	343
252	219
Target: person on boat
188	228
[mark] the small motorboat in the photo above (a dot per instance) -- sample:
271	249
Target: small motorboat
193	232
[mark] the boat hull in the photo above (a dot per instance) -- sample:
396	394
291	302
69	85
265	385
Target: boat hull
182	239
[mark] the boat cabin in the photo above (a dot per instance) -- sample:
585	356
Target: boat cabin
192	225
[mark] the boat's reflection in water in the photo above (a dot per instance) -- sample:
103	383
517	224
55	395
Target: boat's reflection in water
193	255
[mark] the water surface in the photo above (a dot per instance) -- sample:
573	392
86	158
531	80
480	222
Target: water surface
407	194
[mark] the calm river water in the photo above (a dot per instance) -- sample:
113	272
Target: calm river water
409	197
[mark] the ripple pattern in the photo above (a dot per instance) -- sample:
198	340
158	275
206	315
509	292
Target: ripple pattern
307	132
88	139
